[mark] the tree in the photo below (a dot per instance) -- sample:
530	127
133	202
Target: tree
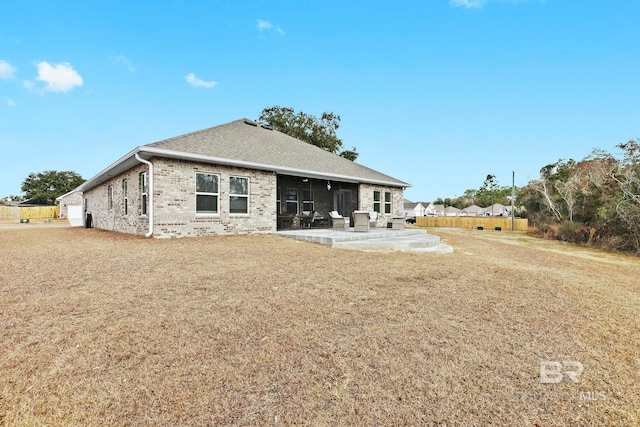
45	187
305	127
490	192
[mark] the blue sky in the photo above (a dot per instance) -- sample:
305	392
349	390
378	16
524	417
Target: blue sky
437	93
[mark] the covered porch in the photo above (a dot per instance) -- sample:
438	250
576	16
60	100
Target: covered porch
305	202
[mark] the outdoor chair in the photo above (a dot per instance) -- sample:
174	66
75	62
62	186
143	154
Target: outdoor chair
361	221
373	219
338	221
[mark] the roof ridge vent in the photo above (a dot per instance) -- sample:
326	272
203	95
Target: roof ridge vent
266	126
250	122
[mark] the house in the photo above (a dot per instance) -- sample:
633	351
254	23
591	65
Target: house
451	211
434	210
414	209
473	210
495	210
239	177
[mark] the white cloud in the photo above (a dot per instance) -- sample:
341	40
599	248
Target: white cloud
268	26
124	61
468	4
11	103
58	77
6	70
264	25
476	4
196	82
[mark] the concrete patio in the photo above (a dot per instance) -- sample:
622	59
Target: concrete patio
373	240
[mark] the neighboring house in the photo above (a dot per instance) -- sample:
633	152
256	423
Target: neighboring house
495	210
451	211
433	210
414	209
409	208
239	177
473	210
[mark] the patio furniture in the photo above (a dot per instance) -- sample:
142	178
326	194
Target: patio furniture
397	222
338	221
361	221
373	219
318	219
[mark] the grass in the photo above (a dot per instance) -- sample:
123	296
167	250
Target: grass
101	328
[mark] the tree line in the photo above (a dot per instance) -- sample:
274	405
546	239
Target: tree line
594	201
489	193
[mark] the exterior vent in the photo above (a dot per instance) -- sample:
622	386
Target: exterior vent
251	123
266	126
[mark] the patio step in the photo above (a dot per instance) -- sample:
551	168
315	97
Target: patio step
373	240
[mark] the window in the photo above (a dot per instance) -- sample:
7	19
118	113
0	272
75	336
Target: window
110	197
292	200
143	193
207	193
387	202
307	200
125	196
376	201
238	195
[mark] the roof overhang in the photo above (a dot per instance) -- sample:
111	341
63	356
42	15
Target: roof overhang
129	160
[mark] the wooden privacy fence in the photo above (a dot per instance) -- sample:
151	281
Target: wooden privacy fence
30	212
488	223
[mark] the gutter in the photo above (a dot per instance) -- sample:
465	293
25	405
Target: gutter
149	192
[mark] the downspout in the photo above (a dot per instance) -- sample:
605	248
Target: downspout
150	193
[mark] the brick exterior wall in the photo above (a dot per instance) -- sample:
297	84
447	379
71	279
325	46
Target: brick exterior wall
174	202
365	197
73	199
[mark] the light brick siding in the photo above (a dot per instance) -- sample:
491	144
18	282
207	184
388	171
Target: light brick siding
366	201
115	218
174	202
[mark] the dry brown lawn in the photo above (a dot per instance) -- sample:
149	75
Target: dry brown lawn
107	329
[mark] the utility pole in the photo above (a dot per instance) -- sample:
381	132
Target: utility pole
513	198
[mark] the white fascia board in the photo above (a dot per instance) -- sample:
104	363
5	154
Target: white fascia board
101	176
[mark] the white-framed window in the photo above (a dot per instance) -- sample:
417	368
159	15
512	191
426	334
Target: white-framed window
377	200
125	196
307	201
207	193
238	195
110	197
143	193
387	202
292	200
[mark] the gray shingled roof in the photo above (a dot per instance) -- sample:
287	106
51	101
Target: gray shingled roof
252	146
246	141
